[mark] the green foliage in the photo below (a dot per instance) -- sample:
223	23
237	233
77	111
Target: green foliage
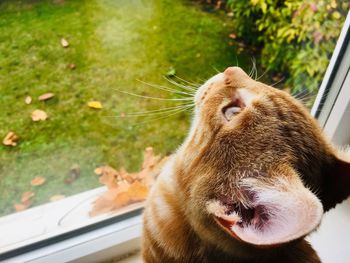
296	37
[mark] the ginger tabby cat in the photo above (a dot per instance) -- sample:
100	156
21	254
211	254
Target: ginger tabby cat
252	179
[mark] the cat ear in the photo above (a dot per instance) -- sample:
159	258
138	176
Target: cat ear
284	210
336	184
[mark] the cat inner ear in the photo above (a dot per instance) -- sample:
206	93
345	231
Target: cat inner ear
336	184
283	210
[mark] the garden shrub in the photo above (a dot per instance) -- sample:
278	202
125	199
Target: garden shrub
296	37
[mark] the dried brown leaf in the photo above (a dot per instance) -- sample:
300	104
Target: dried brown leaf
101	205
21	207
28	100
26	196
108	180
138	191
57	197
121	200
10	139
95	104
64	43
46	96
108	176
73	175
232	36
39	115
37	180
125	188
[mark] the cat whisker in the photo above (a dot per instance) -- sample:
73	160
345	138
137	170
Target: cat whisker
236	60
163	117
154	98
153	112
191	89
251	72
157	113
254	69
262	75
217	71
303	97
277	82
165	88
193	84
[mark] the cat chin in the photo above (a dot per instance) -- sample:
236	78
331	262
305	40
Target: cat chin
273	218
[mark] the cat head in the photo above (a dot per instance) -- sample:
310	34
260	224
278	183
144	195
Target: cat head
256	168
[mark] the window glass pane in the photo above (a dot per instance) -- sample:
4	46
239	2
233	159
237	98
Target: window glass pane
87	86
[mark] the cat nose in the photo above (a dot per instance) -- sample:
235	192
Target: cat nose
231	71
233	75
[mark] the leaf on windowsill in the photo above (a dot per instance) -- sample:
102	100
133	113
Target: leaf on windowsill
124	188
39	115
37	180
10	139
95	104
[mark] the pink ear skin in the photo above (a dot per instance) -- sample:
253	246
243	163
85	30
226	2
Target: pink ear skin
336	184
278	210
285	210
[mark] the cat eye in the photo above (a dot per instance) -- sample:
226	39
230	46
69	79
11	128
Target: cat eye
230	112
232	109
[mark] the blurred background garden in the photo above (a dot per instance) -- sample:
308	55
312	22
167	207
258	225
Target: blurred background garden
64	62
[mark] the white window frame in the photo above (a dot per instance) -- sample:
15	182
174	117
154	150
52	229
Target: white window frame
332	104
115	235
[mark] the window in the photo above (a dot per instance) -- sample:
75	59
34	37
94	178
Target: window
67	69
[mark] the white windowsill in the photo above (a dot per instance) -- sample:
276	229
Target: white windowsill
52	219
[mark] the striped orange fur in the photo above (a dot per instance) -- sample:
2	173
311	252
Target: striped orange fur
251	180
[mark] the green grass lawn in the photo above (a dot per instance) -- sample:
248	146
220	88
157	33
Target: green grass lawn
112	43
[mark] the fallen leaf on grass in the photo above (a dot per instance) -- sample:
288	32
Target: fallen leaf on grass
37	180
218	5
232	36
21	207
46	96
95	104
39	115
28	100
10	139
25	201
64	43
57	197
26	196
73	175
125	188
